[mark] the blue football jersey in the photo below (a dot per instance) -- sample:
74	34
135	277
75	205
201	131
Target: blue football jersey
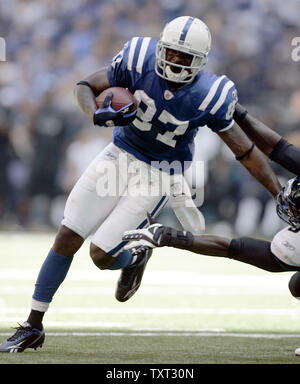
167	121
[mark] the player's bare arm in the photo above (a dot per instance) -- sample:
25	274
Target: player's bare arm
263	136
251	158
87	89
244	249
158	235
271	143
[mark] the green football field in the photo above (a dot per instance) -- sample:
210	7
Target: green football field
190	309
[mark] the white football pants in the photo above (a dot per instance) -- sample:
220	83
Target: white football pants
113	195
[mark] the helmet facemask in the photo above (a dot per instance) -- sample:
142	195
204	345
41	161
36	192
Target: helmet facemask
288	203
185	73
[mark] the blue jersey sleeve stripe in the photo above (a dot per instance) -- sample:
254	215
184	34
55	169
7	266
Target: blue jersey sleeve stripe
142	54
131	53
222	97
211	94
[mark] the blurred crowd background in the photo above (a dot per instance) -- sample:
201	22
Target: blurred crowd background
46	142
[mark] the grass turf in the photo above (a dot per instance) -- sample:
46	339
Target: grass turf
180	290
188	349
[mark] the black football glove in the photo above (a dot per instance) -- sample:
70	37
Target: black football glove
106	116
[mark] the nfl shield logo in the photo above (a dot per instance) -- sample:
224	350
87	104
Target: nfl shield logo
168	95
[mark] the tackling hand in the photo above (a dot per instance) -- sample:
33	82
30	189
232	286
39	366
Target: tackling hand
148	237
106	116
157	235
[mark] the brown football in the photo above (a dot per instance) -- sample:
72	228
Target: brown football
121	98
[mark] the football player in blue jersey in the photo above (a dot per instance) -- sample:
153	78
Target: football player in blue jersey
176	97
282	254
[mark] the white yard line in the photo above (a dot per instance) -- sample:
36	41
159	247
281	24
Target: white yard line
161	311
99	291
172	334
164	278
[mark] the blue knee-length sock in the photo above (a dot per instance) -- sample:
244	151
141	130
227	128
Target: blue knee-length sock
51	275
123	259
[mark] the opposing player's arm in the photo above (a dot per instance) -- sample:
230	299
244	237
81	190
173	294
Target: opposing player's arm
87	89
244	249
264	137
247	250
221	122
271	143
251	158
158	235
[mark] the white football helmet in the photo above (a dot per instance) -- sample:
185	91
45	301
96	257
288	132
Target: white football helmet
185	34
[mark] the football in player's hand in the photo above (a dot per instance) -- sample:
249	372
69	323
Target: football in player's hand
121	98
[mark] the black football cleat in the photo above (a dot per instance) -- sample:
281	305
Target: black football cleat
25	337
131	276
